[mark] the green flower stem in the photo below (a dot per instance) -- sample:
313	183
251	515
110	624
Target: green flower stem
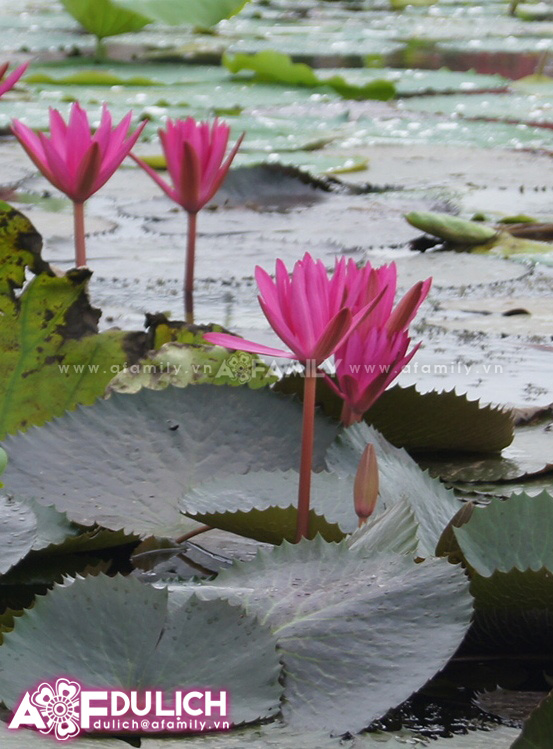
308	429
80	246
189	270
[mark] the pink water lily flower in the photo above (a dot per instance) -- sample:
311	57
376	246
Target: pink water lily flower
309	311
77	161
13	77
195	156
376	352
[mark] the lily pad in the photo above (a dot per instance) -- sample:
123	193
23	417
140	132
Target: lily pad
400	479
143	642
510	534
276	67
332	611
23	739
433	421
18	532
153	447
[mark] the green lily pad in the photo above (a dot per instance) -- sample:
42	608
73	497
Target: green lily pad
18	532
143	642
52	355
333	609
510	534
153	447
424	422
400	479
276	67
92	78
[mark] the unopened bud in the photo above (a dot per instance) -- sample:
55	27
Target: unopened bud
365	488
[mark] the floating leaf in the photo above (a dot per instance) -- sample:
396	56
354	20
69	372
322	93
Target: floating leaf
52	356
263	505
92	78
126	462
17	532
400	479
143	642
451	228
271	66
105	17
432	421
511	534
344	620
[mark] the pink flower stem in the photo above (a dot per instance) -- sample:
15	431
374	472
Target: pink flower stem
189	271
349	416
80	247
308	430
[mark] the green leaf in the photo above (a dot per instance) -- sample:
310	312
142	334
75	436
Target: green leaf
271	66
451	228
125	462
92	78
345	620
17	532
199	13
400	479
513	534
263	505
105	17
140	639
430	422
538	729
52	356
183	364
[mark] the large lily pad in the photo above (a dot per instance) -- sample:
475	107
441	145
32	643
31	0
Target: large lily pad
23	739
432	421
262	504
142	642
52	356
346	621
510	534
126	462
400	479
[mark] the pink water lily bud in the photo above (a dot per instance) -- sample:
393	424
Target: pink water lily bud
73	159
366	485
13	77
307	309
195	156
377	351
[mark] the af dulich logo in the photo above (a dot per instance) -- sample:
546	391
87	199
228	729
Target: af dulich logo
65	707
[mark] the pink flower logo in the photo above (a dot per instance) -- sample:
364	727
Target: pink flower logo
59	707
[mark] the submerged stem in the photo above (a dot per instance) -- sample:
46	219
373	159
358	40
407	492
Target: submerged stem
80	246
308	429
189	270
